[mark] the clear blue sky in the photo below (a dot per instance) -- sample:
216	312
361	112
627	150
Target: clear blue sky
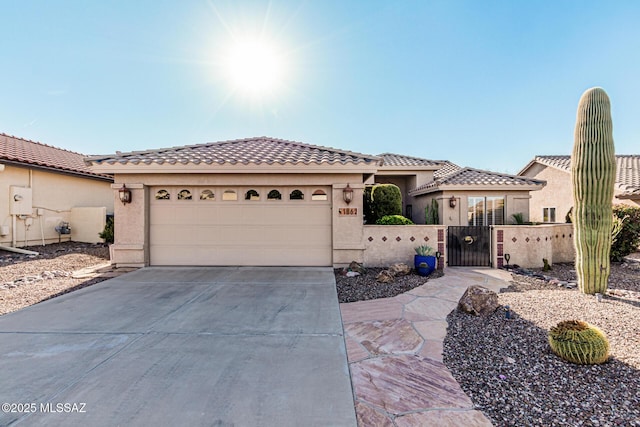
487	84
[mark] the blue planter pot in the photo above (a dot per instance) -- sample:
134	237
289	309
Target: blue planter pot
430	260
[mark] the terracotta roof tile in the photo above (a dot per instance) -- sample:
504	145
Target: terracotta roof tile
25	152
399	160
476	177
627	169
259	150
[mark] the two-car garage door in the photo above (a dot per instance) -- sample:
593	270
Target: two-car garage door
192	225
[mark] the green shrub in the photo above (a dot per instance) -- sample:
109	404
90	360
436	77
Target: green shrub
107	233
394	220
382	200
518	218
626	231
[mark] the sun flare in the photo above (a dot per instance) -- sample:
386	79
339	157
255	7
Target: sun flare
255	67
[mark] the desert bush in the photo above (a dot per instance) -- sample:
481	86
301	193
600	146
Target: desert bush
107	233
394	220
626	232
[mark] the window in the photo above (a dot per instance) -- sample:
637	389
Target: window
207	195
319	195
548	214
163	195
252	195
274	195
296	195
485	210
229	195
184	195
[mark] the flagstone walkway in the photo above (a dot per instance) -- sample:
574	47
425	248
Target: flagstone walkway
394	348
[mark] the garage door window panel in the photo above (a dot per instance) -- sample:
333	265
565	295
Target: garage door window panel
252	195
319	195
185	194
207	195
296	195
229	195
163	195
274	195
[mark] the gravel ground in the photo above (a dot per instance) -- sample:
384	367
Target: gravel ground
508	370
26	280
365	287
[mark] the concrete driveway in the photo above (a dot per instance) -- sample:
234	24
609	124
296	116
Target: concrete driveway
222	346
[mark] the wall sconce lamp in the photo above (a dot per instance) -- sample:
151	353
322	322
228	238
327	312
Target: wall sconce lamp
347	194
125	194
453	202
507	257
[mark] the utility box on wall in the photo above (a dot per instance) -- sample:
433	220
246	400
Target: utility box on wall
20	201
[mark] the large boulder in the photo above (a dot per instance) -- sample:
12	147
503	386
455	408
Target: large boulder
479	301
357	267
400	269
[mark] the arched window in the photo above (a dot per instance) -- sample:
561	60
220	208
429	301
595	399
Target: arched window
252	195
229	195
319	195
185	195
296	195
162	195
274	195
207	195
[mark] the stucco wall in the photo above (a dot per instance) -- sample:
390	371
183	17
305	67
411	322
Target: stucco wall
556	194
388	244
53	197
528	245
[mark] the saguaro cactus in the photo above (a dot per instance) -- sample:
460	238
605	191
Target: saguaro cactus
593	172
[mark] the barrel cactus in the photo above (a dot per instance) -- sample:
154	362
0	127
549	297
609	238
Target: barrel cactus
579	342
593	173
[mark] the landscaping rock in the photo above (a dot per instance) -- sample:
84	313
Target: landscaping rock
400	269
479	301
357	267
385	276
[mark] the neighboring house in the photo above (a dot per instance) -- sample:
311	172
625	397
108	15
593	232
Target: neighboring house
45	187
266	201
554	202
464	196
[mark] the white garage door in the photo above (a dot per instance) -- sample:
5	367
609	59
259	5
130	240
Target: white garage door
240	226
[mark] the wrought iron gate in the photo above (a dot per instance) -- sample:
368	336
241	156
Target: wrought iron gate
469	246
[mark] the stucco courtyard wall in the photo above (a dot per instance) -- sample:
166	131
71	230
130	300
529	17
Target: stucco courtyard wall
528	245
389	244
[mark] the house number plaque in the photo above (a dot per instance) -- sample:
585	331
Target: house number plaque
348	211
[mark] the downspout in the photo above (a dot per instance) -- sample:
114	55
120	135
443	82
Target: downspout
18	250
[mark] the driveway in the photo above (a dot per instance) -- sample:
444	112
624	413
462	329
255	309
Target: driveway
224	346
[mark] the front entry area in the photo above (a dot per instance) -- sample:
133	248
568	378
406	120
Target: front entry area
260	226
469	246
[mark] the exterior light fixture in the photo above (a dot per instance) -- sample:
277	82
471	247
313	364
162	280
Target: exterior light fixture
453	202
507	257
125	194
347	194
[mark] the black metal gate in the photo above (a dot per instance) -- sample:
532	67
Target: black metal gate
469	246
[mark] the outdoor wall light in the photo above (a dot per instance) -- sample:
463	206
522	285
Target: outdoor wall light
453	202
507	257
125	194
347	194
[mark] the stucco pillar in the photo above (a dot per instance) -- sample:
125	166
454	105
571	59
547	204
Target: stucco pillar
130	248
348	226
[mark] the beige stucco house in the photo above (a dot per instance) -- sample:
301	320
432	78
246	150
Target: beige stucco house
267	201
552	203
45	187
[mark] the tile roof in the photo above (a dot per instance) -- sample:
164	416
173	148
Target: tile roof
21	151
627	170
476	177
258	150
399	160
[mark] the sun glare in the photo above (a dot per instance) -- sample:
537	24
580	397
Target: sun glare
255	67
